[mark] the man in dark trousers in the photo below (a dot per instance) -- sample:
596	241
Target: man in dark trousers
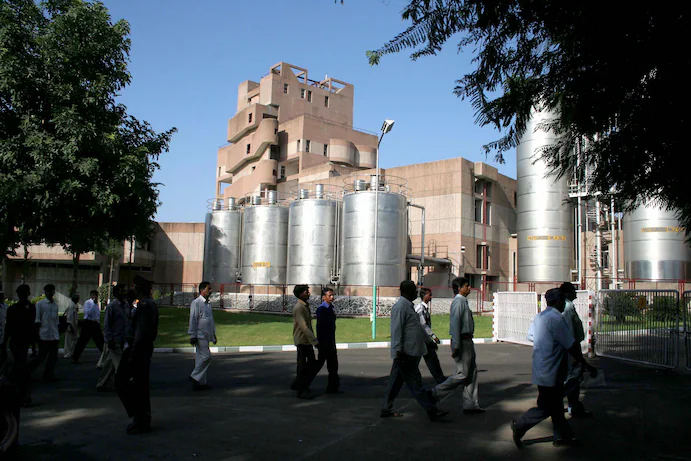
49	337
20	334
407	348
132	377
424	310
326	335
304	340
91	327
551	340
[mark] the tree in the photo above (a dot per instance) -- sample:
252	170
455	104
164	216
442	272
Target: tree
90	163
613	74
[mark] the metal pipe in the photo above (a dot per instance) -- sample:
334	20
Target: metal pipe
304	194
613	250
598	245
231	203
218	204
256	200
273	197
421	276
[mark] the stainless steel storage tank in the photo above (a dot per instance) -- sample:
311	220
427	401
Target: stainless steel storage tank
357	257
544	220
312	238
222	231
264	242
654	247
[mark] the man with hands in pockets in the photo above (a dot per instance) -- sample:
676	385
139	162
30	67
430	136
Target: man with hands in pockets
202	330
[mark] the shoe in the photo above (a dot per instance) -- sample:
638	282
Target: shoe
134	428
436	414
201	387
516	435
307	395
473	411
573	442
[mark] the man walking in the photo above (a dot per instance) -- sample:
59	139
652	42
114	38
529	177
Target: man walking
114	328
407	348
91	327
20	334
304	339
72	332
551	340
572	386
49	337
424	311
326	335
202	330
462	329
132	377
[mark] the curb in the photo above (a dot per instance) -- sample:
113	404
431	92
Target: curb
287	347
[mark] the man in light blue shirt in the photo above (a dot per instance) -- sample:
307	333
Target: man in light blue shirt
91	327
575	371
202	330
407	348
551	340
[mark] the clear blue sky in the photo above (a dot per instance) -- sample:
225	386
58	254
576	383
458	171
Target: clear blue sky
188	58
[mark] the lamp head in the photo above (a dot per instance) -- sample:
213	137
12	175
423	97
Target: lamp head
387	126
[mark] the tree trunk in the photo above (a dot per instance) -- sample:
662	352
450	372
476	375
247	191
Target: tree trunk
25	264
75	273
110	278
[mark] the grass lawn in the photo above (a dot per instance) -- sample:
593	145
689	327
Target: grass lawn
248	329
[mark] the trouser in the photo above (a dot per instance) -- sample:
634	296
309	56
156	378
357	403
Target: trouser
550	403
202	360
572	386
109	367
132	383
406	370
19	376
71	338
47	349
328	355
305	367
433	365
466	376
91	329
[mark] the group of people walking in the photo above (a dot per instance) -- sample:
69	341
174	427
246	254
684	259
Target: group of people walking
130	328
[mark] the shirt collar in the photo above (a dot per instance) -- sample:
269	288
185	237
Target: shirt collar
325	304
423	304
203	299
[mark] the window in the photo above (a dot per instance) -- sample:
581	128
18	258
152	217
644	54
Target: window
326	150
274	152
219	171
249	147
283	172
307	145
249	118
488	213
326	101
285	88
487	258
309	96
298	149
276	130
478	256
302	93
488	188
478	210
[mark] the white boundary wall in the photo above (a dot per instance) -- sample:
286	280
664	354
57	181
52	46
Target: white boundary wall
513	313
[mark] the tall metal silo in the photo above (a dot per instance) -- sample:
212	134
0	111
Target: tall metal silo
313	228
264	242
357	257
222	230
654	247
544	220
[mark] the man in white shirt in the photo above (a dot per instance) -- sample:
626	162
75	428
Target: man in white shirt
551	340
48	335
114	330
202	330
424	311
574	376
91	327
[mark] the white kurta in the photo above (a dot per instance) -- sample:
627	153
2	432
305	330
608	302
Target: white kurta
203	328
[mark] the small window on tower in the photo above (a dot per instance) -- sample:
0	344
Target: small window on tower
249	147
302	93
249	118
309	96
285	88
326	150
307	145
326	101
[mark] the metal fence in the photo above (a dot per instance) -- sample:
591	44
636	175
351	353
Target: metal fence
639	325
686	308
513	313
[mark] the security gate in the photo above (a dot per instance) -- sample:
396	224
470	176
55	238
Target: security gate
513	313
686	308
639	325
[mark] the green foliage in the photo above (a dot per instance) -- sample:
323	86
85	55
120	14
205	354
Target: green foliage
74	163
608	72
665	308
103	293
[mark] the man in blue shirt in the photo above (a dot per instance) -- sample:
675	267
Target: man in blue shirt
91	327
326	335
551	340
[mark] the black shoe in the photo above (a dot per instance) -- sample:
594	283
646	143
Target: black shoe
473	411
135	428
201	387
436	414
306	395
573	442
516	435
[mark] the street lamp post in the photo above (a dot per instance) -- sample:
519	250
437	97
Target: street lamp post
385	128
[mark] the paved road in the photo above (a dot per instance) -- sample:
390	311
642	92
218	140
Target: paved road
252	415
